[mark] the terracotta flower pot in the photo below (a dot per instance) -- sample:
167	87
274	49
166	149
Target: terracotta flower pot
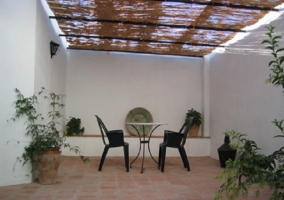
193	131
48	165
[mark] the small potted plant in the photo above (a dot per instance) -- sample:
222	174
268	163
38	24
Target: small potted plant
44	150
73	127
196	122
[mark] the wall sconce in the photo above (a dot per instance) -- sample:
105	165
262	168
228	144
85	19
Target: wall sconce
53	48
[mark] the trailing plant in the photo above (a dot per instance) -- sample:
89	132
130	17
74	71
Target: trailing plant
197	120
43	128
73	127
252	168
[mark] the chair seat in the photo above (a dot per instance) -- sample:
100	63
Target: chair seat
171	146
114	146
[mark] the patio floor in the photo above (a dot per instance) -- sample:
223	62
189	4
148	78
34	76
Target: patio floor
78	180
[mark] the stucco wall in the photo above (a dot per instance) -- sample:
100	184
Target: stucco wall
49	72
17	57
110	85
240	99
24	64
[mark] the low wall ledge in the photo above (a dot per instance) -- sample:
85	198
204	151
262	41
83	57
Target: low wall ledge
130	136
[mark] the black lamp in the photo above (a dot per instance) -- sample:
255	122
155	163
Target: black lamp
53	48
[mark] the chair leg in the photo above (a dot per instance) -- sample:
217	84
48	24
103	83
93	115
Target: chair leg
160	157
103	157
126	156
163	157
184	158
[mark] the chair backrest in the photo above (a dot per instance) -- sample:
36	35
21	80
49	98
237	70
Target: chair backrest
103	128
176	139
185	129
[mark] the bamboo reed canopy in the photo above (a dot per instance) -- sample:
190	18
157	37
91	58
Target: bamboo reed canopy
168	27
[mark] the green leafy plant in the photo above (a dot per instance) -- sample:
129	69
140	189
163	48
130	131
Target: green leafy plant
277	75
248	169
197	120
43	128
73	127
252	168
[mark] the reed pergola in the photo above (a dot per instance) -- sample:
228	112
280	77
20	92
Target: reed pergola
168	27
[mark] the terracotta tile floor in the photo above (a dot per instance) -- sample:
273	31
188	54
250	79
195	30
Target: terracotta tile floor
78	180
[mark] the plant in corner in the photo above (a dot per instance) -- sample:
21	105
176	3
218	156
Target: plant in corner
73	127
46	139
196	122
252	168
248	169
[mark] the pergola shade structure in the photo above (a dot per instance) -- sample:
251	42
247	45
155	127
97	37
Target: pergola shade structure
173	27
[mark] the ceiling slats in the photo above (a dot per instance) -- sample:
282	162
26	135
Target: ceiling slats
169	27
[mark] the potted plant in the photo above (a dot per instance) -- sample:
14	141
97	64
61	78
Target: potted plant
196	122
73	127
46	140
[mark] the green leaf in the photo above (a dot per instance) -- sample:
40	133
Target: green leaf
281	60
279	50
276	37
266	41
271	62
278	136
269	47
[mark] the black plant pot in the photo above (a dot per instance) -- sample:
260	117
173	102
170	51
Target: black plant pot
225	152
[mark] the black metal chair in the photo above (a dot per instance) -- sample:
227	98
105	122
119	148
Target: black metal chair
115	139
175	140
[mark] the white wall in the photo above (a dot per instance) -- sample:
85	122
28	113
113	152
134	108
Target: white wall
110	85
25	64
49	72
17	57
240	99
